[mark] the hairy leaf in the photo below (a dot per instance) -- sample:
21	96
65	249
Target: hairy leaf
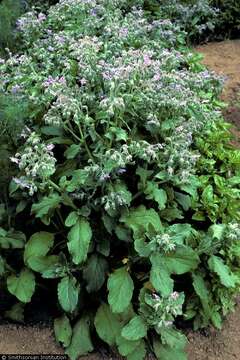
81	343
135	329
79	239
22	286
120	287
107	324
94	272
216	264
68	291
63	330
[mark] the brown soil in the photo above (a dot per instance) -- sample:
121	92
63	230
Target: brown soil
223	58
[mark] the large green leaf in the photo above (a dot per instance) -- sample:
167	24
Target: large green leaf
16	313
71	219
138	218
95	272
126	347
11	239
68	291
81	343
154	193
38	246
182	260
43	263
46	207
107	324
135	329
200	287
217	230
173	338
63	330
22	286
217	265
160	276
139	353
79	239
120	287
164	352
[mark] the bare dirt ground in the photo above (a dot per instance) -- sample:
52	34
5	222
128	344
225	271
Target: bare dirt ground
223	58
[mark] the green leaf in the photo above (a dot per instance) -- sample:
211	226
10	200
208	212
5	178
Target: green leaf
217	230
43	263
16	313
126	347
72	151
216	264
38	245
173	338
71	219
171	214
216	319
2	266
107	324
94	272
11	239
22	286
81	343
63	330
182	260
180	233
68	291
138	218
164	352
46	207
207	195
154	193
200	287
138	354
184	200
136	329
79	239
120	287
160	276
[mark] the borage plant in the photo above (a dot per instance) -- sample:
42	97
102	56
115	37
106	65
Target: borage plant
116	199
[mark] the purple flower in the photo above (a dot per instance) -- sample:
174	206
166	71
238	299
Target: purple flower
83	81
121	171
93	12
41	17
14	160
156	77
123	32
50	147
146	60
104	177
62	80
15	89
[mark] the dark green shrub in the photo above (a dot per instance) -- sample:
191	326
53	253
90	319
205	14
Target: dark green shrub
196	17
228	20
123	193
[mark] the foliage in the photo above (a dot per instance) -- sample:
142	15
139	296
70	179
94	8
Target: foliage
10	10
228	24
197	18
124	188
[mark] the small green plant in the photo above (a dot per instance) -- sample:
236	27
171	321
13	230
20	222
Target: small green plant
124	177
